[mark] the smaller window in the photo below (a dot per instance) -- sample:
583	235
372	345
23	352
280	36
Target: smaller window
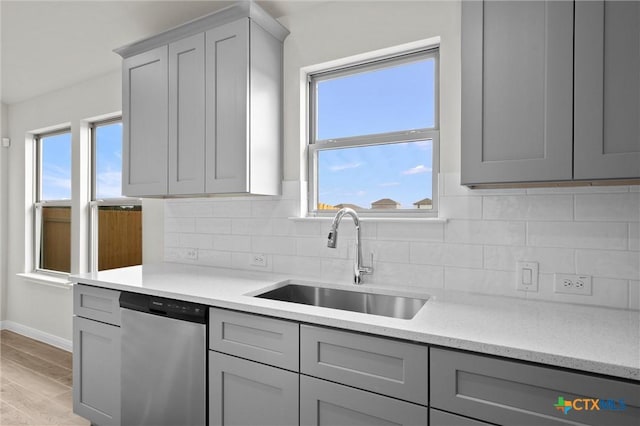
53	202
374	136
116	233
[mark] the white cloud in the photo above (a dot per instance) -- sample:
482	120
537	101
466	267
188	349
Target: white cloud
109	184
339	167
417	170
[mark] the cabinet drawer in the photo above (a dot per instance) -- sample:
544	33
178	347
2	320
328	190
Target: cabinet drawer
380	365
266	340
328	404
97	303
515	393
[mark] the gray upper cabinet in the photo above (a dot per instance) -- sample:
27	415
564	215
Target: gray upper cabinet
145	111
186	115
202	107
517	95
523	119
607	90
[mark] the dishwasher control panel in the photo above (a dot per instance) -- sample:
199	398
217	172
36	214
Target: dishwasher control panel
178	309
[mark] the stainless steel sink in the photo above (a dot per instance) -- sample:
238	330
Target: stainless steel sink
355	301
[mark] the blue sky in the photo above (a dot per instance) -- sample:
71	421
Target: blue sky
379	101
56	164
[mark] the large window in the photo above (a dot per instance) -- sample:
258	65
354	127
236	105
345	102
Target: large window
116	236
53	202
373	142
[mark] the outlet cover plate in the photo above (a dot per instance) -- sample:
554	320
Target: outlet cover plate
259	260
573	284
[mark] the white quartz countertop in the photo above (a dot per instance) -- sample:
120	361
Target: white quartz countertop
592	339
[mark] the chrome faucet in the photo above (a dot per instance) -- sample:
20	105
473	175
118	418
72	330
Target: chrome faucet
358	268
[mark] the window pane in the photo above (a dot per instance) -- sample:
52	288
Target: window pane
390	176
55	163
108	172
390	99
119	236
55	244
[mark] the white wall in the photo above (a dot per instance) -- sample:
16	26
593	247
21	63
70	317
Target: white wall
42	308
576	230
4	132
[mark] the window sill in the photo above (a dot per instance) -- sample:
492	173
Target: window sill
48	280
375	219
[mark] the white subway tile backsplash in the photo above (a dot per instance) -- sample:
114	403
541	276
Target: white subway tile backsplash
485	232
220	259
481	281
504	258
273	244
231	209
253	226
634	236
475	250
410	231
180	224
463	255
634	295
597	235
305	266
421	276
213	225
623	265
607	292
460	207
622	207
232	243
528	207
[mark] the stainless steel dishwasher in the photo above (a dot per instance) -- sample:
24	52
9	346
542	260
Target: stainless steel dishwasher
163	361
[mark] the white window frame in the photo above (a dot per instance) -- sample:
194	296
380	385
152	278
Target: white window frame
96	203
314	146
39	204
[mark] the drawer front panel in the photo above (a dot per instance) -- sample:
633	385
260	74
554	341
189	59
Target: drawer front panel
376	364
96	303
441	418
511	392
328	404
266	340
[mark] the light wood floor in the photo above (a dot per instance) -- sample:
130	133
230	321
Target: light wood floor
35	383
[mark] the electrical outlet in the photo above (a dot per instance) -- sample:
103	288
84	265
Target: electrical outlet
572	284
191	254
527	276
259	260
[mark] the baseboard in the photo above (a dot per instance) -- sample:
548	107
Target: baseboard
35	334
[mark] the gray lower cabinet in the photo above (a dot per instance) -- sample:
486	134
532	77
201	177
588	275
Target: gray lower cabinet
323	403
96	355
243	392
442	418
514	393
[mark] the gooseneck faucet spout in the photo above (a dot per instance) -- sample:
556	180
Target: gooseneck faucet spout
358	268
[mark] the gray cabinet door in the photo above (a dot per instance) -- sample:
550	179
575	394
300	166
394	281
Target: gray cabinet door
96	303
145	116
607	89
96	371
324	403
227	103
515	393
186	115
246	393
517	97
